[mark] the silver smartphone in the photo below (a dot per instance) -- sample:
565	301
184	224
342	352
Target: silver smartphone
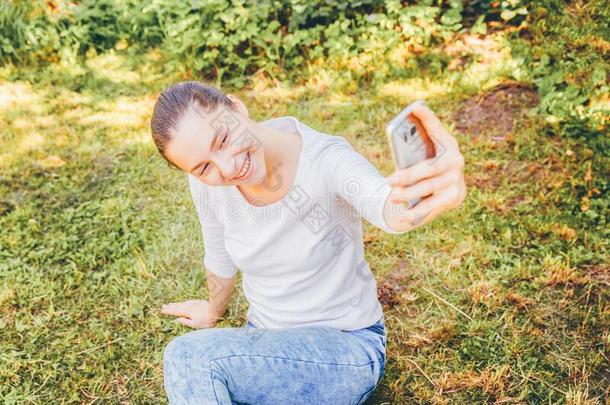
409	142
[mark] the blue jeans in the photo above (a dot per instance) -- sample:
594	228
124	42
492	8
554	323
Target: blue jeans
300	365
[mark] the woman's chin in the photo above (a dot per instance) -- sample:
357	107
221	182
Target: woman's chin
256	176
254	180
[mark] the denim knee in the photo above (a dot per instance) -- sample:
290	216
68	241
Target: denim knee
188	375
174	354
202	345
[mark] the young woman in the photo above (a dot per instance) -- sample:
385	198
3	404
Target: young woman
282	202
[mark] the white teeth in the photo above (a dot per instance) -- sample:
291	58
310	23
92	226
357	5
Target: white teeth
246	166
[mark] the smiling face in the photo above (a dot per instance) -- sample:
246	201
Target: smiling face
218	147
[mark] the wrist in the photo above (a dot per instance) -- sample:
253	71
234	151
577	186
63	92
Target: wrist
213	316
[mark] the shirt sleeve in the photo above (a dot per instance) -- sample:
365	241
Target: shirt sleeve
216	259
357	181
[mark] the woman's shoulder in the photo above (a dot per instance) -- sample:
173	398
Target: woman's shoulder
323	143
318	144
331	148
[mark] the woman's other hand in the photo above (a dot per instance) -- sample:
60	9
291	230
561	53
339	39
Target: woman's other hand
193	313
438	181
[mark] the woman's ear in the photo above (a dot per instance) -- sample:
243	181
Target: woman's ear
241	107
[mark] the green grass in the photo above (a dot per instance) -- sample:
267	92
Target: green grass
504	299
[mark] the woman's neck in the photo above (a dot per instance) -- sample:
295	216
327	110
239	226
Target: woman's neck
282	150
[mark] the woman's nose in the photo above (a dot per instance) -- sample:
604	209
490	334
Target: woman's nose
225	162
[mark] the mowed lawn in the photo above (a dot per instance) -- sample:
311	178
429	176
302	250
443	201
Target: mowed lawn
504	300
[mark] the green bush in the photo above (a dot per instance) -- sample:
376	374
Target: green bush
29	31
232	38
229	40
566	55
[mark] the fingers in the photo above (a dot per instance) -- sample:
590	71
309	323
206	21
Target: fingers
175	308
434	127
424	169
186	321
424	187
427	209
430	207
447	156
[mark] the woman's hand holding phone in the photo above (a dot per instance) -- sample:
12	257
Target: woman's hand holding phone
438	181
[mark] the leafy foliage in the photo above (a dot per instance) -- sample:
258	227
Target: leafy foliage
503	300
232	38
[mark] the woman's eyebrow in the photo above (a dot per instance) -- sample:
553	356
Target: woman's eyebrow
216	134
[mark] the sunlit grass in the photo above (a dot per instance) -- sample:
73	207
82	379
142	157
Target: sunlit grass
504	299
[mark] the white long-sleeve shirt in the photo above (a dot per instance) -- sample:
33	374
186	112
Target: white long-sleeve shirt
302	257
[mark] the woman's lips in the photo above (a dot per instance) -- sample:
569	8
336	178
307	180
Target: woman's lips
248	164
